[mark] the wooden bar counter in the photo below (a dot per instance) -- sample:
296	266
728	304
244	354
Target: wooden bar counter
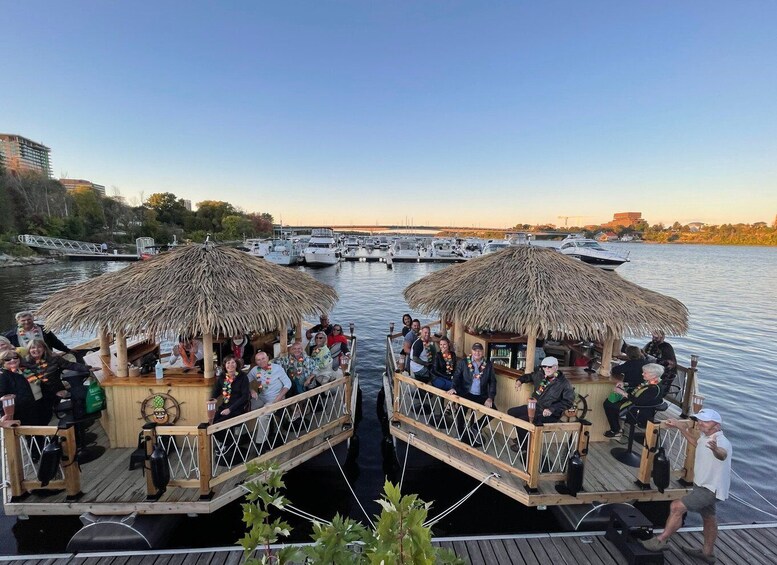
593	386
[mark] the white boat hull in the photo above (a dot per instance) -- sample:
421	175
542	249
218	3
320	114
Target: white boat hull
319	259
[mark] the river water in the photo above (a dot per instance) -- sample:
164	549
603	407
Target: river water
729	291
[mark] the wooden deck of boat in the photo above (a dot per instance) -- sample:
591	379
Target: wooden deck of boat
108	486
753	544
605	478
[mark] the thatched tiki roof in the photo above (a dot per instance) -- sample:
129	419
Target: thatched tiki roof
533	290
193	290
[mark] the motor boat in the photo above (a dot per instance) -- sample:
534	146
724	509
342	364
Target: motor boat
443	248
404	250
283	252
322	249
591	252
258	247
494	246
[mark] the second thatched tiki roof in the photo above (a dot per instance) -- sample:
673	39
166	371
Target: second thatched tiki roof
526	288
192	290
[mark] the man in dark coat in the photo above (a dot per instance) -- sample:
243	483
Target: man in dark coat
26	330
474	380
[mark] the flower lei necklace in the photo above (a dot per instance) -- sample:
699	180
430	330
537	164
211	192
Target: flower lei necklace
471	367
544	384
267	375
226	388
448	358
298	365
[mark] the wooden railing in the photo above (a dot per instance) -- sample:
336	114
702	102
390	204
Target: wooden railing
23	446
679	451
542	451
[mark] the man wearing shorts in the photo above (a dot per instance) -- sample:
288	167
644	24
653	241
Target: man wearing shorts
711	480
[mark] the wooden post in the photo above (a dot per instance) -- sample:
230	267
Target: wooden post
105	343
443	324
397	384
347	395
207	355
204	460
648	453
298	330
121	354
617	343
459	332
690	457
283	338
531	349
690	386
14	458
535	455
604	370
70	469
149	439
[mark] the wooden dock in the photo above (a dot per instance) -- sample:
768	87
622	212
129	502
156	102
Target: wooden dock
755	544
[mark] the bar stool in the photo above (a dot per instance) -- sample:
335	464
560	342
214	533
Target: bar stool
636	415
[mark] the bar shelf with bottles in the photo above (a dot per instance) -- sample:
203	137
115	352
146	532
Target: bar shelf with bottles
506	351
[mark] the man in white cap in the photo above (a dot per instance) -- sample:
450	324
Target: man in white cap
711	480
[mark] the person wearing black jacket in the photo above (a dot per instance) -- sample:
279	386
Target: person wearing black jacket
239	347
646	394
27	408
26	330
631	370
474	379
232	388
444	365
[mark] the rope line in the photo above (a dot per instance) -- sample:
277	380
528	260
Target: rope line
751	506
431	522
356	498
404	465
306	515
753	489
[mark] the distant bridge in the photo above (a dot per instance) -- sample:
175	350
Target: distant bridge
76	250
421	230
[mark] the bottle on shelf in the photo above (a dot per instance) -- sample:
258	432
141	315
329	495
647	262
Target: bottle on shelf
158	370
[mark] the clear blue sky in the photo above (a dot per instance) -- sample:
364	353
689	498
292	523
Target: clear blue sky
467	113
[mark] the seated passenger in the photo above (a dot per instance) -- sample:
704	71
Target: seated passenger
660	351
337	344
28	404
6	345
320	353
323	325
300	367
423	356
648	393
407	321
474	380
187	353
631	371
26	330
552	391
44	369
444	366
232	388
409	340
240	348
268	381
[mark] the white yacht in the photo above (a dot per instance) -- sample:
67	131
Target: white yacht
404	250
258	247
494	246
443	248
589	251
283	252
322	249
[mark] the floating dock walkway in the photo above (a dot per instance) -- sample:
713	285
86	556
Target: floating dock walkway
754	544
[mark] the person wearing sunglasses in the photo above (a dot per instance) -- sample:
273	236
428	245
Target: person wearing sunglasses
337	344
27	404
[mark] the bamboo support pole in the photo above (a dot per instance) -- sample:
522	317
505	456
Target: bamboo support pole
531	349
459	333
604	370
121	354
204	460
207	355
283	338
13	454
535	454
298	330
105	343
690	457
149	438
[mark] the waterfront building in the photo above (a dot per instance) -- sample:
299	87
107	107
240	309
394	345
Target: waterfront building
22	154
72	184
624	219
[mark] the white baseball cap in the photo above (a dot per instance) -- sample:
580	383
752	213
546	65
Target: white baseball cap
707	415
549	362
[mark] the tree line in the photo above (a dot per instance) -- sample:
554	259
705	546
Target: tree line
34	204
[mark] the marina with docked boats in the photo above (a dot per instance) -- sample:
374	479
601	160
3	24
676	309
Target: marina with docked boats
422	433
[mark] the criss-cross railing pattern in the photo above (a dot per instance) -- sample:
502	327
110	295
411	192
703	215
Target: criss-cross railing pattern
675	446
31	450
493	436
182	455
239	440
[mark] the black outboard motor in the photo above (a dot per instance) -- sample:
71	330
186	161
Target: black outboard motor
575	470
160	470
49	461
661	470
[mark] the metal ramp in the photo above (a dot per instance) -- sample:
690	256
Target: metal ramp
58	244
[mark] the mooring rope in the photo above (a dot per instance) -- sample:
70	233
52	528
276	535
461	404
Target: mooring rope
410	437
748	504
291	509
431	522
356	498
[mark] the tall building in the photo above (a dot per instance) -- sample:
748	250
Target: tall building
72	184
188	205
22	154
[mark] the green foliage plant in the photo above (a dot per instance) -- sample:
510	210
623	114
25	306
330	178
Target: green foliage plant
399	538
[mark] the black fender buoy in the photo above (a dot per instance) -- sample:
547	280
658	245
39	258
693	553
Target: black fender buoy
160	470
49	461
575	470
661	470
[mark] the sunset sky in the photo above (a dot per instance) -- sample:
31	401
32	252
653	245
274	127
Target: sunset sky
430	112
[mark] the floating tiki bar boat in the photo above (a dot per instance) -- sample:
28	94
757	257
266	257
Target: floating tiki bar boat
197	290
506	301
